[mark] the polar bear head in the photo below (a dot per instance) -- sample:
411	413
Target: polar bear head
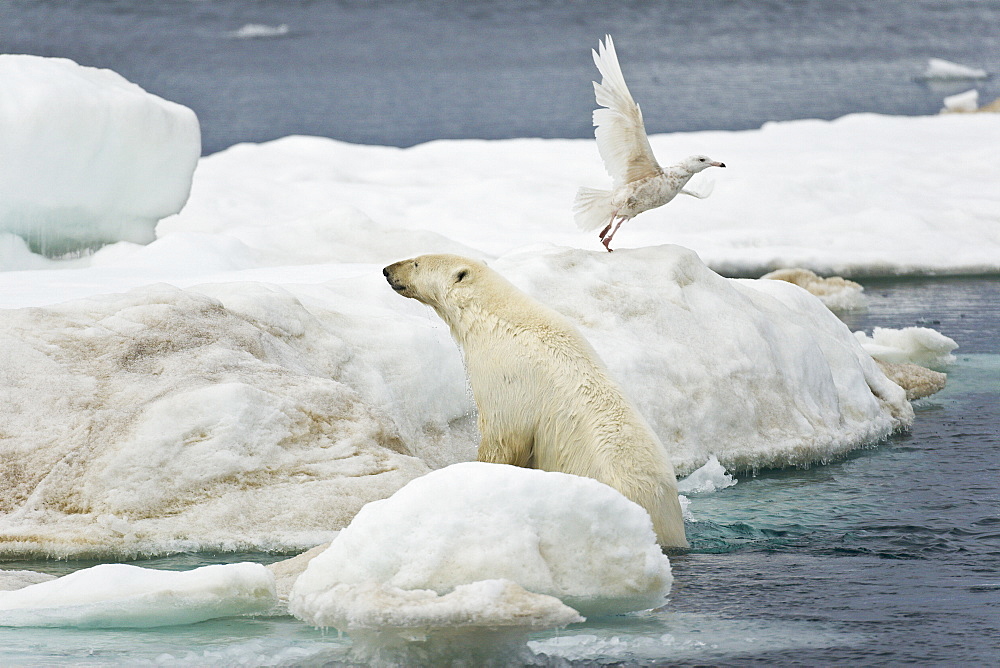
468	294
444	282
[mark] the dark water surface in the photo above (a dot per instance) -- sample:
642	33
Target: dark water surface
897	546
400	73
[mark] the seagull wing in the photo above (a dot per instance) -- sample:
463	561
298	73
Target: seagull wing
700	193
621	135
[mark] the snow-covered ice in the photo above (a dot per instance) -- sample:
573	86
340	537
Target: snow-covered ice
918	381
252	416
124	596
471	625
482	604
474	624
862	195
711	477
88	158
555	534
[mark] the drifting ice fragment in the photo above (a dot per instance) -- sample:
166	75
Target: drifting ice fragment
259	30
709	478
943	70
914	345
967	101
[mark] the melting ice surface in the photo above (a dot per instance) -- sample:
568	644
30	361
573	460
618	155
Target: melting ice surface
247	381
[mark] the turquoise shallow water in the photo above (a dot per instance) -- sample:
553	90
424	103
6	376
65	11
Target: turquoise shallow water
889	556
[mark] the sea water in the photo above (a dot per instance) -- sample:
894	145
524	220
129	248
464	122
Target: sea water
402	73
890	555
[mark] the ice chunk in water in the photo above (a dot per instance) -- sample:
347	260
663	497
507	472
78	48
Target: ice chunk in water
124	596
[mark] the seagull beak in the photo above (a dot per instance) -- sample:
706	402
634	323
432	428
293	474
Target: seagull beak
718	164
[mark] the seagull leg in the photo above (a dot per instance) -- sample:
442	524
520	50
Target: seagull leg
607	240
610	223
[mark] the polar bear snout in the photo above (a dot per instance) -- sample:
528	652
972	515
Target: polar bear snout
391	274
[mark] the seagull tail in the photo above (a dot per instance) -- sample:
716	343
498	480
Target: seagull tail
592	208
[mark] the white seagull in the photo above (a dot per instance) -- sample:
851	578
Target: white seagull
639	183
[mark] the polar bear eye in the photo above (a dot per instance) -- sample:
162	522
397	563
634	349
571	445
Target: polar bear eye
461	275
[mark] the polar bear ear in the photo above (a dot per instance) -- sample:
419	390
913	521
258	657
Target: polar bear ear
461	275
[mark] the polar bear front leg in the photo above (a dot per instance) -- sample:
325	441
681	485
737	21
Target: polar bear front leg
506	448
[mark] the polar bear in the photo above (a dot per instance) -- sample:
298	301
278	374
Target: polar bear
545	399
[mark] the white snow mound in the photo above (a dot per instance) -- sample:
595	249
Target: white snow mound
251	416
554	534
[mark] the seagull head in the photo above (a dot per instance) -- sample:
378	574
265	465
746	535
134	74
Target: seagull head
697	163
